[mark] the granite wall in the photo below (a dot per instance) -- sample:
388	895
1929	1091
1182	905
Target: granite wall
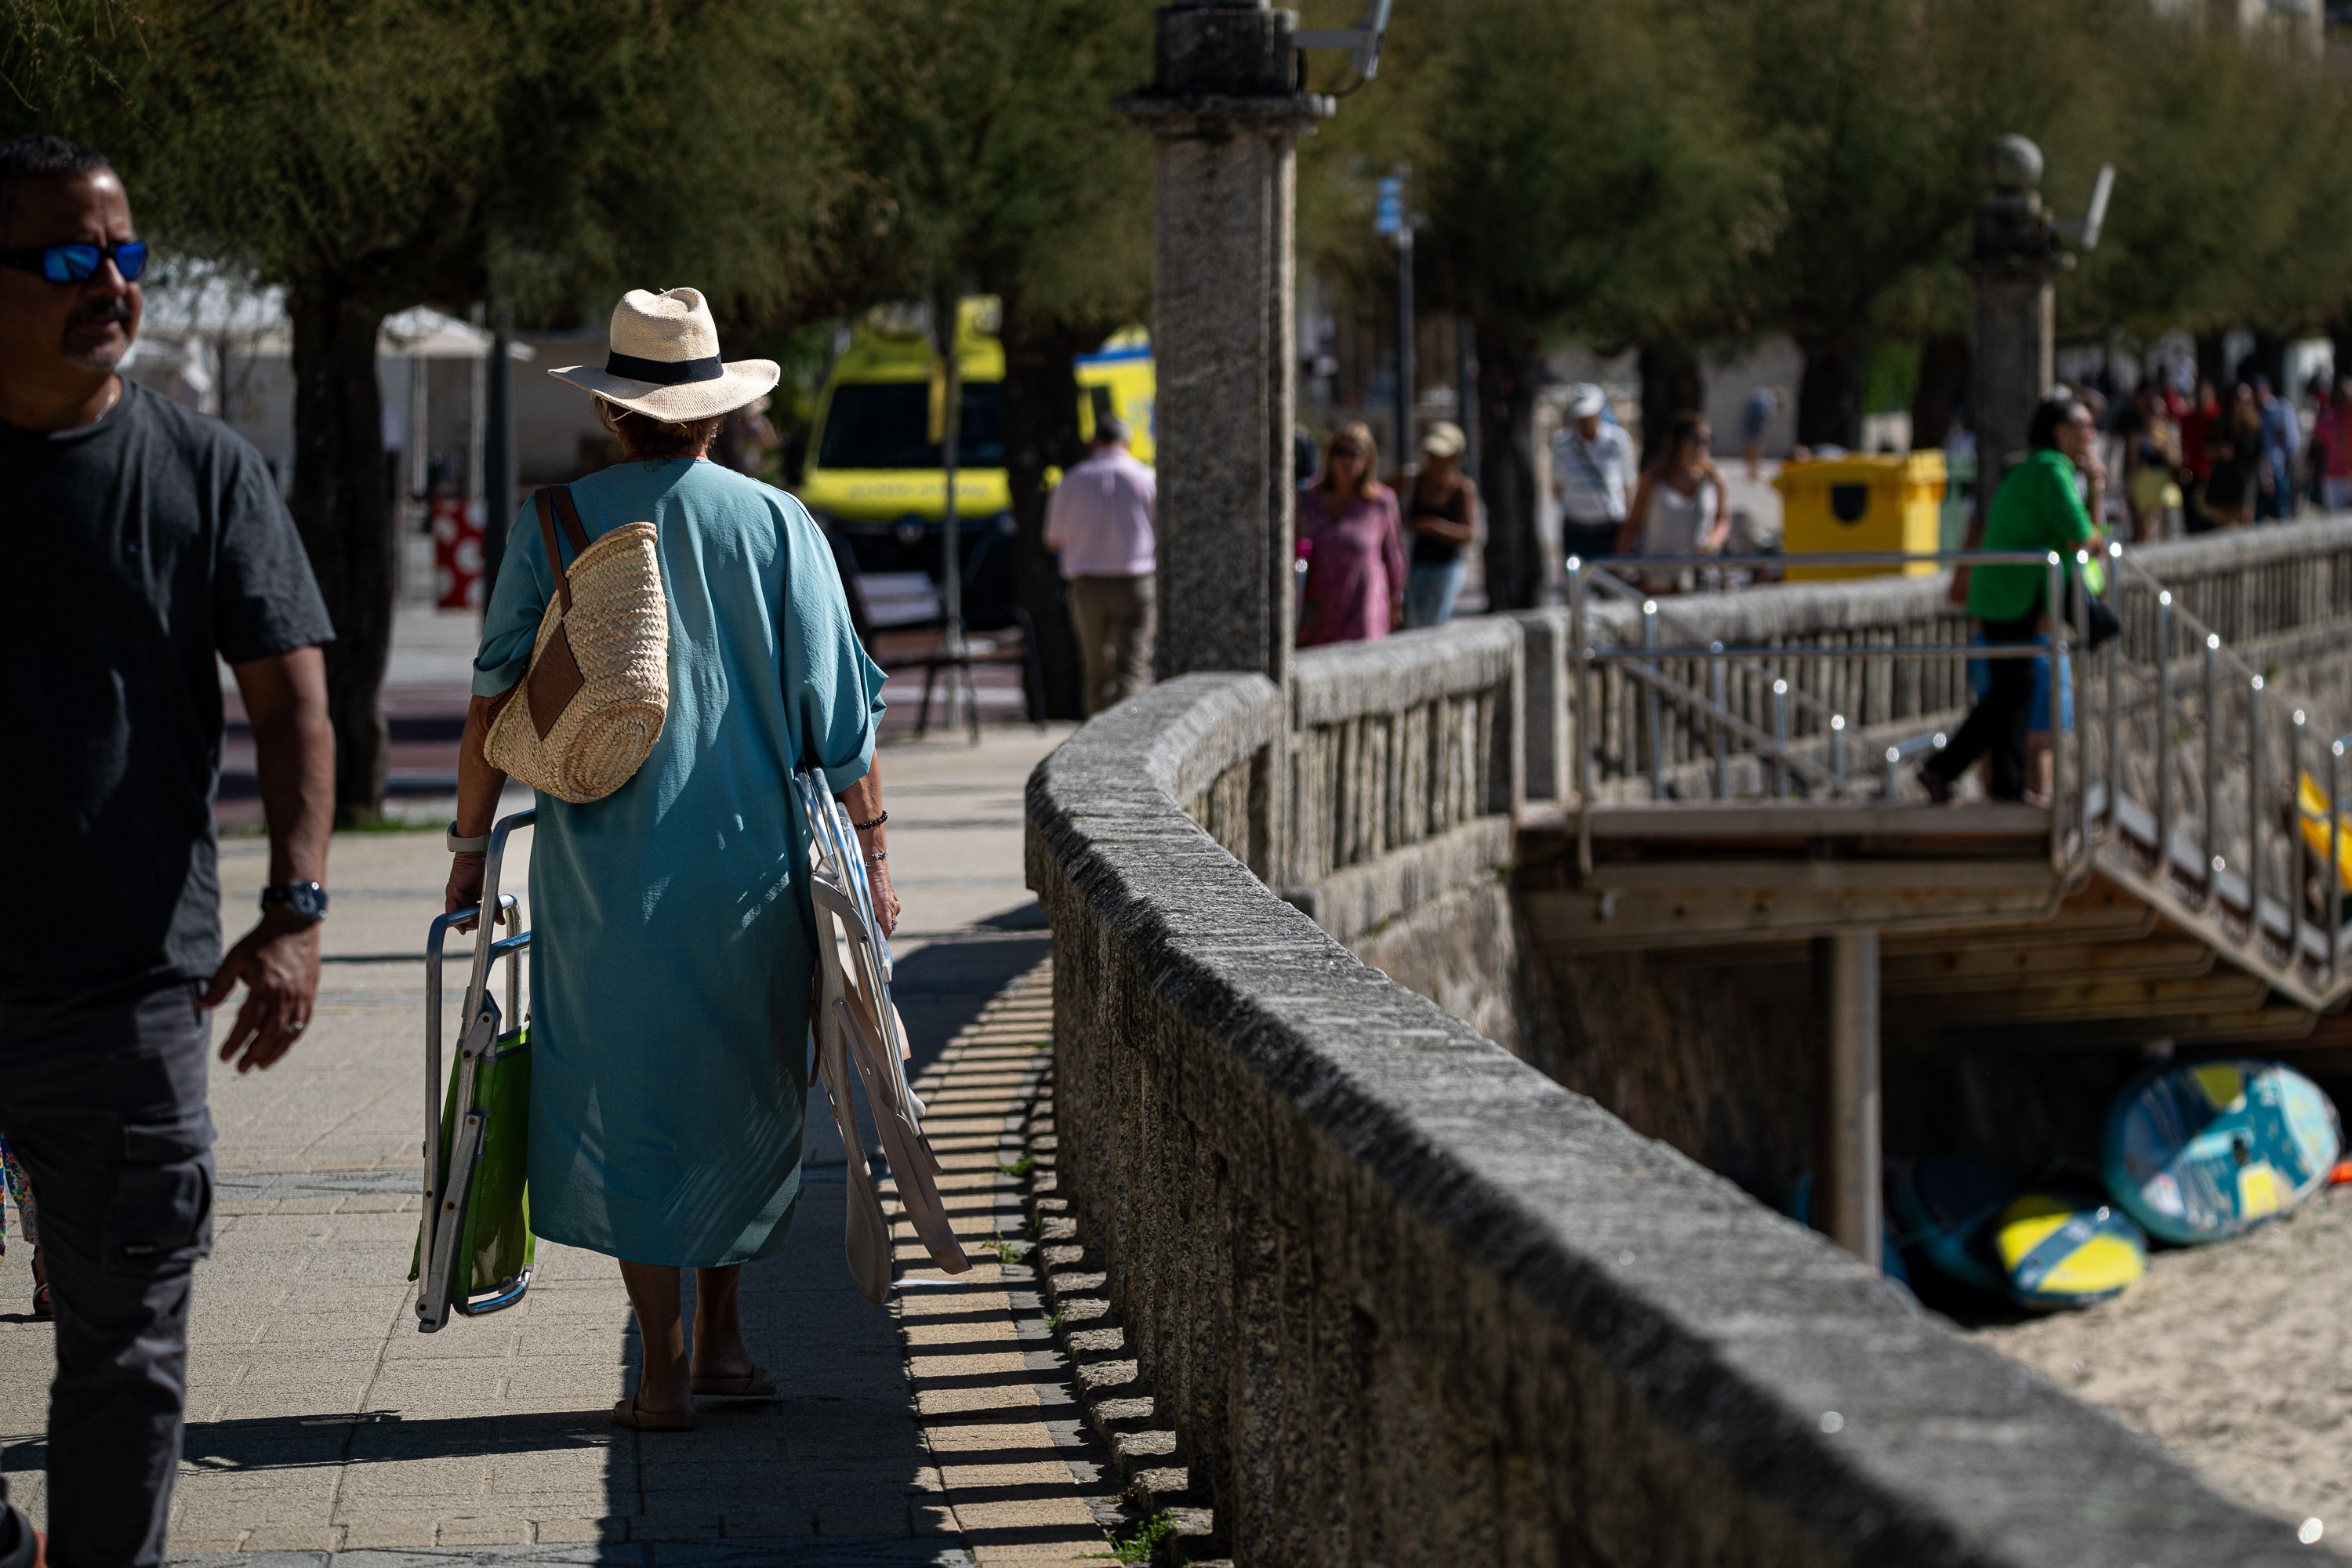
1405	1299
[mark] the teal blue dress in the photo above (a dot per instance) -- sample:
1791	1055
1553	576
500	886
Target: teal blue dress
671	947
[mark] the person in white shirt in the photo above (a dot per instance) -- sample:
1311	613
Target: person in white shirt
1592	459
1100	520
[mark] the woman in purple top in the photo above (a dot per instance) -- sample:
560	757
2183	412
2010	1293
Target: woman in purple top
1350	536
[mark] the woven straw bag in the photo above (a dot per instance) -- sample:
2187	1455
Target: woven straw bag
590	706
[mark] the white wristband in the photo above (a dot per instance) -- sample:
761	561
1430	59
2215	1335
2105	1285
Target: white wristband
477	845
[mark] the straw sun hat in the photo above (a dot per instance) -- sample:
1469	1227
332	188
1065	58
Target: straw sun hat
662	361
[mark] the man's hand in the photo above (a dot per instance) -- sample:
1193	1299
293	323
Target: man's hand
278	960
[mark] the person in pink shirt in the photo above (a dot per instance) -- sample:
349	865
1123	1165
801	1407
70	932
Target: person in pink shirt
2331	446
1101	521
1353	542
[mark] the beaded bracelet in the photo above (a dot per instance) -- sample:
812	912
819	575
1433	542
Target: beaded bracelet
870	826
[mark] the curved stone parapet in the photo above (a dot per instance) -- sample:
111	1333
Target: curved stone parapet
1404	1299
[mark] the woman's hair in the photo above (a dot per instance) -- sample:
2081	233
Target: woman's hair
2049	415
1684	426
644	438
1359	435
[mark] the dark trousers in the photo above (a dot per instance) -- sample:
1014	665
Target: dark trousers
1996	725
105	1103
1592	541
1116	618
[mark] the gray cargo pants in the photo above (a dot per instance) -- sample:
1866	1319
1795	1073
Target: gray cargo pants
105	1103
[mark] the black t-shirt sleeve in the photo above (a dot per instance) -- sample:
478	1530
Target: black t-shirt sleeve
265	600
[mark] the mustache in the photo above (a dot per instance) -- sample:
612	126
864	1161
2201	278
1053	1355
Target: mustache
116	310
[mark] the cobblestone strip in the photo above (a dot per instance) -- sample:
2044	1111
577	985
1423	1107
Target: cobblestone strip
1118	1404
1025	1478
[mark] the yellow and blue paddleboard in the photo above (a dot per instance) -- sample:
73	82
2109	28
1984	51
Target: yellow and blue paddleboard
2207	1151
2059	1251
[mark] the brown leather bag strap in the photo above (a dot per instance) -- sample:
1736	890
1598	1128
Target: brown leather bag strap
550	500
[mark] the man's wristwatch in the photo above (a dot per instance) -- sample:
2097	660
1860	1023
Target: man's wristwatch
308	900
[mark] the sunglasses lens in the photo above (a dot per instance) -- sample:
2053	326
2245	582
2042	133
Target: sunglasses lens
68	263
131	260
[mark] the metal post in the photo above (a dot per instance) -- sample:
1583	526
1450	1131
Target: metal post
2053	605
2254	814
1837	752
1893	771
1780	740
2114	687
2335	858
2213	761
2294	844
2080	730
1653	715
1849	1203
1582	682
498	449
1407	372
1717	693
2164	735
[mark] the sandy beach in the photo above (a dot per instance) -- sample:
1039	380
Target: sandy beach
2234	1357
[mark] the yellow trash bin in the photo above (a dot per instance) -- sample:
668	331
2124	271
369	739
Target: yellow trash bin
1842	506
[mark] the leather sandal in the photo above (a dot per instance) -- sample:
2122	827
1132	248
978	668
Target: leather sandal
754	1384
626	1414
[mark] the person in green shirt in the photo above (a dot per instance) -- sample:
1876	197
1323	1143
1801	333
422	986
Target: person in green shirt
2037	508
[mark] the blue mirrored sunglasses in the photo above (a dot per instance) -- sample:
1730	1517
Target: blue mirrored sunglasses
79	263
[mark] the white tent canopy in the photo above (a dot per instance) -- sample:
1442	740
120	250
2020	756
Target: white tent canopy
188	298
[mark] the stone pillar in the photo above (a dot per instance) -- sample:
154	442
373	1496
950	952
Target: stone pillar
1225	113
2014	259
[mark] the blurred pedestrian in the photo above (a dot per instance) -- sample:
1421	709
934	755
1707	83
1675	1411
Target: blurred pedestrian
1592	471
1682	507
1101	518
2037	507
2151	463
2331	447
2282	437
1440	511
2233	447
1755	416
156	548
671	946
1353	544
2200	422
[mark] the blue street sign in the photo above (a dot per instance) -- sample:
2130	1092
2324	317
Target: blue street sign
1388	217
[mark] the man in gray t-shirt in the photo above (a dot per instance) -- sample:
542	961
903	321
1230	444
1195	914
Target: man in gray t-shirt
1591	463
148	544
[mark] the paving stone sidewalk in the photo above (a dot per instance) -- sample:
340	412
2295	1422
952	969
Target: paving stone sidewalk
324	1427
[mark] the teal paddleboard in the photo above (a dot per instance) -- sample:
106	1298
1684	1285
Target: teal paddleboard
2207	1151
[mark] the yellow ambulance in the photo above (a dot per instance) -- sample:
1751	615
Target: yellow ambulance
873	470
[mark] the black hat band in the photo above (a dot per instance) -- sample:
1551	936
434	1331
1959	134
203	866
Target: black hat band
663	372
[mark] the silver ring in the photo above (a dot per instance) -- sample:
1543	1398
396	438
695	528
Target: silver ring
296	1029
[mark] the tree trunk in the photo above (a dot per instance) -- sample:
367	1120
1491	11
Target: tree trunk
2213	360
1671	383
1041	433
2266	359
1944	365
344	513
1511	367
1829	395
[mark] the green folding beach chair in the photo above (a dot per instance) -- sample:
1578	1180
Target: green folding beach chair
474	1247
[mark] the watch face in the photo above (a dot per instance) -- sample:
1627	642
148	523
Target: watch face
307	899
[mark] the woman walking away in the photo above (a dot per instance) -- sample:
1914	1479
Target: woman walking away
2037	508
1682	507
671	948
2234	448
1442	511
19	1192
1353	545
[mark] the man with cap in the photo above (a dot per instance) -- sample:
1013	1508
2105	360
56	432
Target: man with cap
152	546
1101	521
1591	461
